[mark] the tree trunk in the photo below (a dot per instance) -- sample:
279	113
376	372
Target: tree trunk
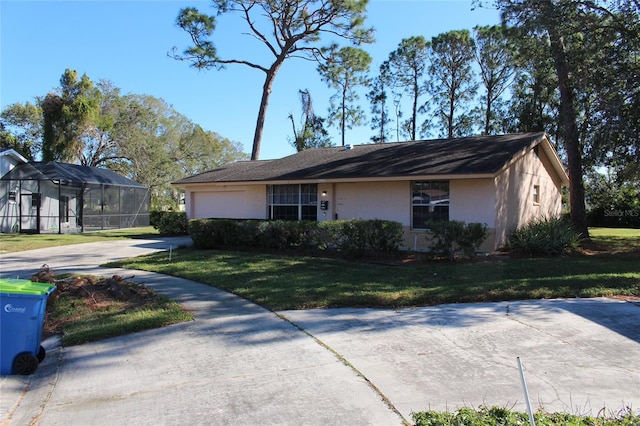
487	115
343	119
414	119
264	104
451	112
570	132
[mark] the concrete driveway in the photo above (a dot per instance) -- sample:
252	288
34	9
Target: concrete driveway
239	364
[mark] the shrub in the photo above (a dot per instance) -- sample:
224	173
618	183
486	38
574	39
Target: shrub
384	235
485	416
353	237
169	223
447	237
200	231
358	237
472	237
544	237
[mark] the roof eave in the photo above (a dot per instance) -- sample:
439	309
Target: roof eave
551	153
340	180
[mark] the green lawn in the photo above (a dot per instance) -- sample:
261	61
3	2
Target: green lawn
624	239
21	242
281	282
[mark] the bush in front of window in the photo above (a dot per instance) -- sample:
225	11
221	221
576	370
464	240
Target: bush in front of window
358	237
285	234
445	238
544	237
355	238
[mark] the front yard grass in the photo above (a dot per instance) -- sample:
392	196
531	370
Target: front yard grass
284	281
85	309
11	243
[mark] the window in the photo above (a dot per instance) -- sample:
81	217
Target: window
536	194
429	201
293	202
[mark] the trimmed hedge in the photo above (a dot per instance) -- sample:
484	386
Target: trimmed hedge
353	237
169	223
447	237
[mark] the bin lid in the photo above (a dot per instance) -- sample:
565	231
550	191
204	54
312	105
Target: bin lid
16	286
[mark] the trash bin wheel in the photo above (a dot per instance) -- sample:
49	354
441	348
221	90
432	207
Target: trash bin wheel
41	354
25	363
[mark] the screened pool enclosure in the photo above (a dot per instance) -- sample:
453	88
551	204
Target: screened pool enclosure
50	197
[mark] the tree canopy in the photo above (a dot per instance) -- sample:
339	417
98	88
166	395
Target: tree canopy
344	70
139	136
587	43
286	28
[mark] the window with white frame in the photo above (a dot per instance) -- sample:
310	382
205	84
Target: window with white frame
429	201
293	202
536	194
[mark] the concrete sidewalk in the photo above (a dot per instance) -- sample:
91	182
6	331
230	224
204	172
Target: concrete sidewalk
240	364
237	363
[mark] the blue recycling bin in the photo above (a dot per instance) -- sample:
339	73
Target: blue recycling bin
22	307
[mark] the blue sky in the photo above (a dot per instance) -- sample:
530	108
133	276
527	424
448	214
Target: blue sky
127	42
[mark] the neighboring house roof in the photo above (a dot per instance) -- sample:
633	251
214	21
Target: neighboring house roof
477	155
10	152
68	174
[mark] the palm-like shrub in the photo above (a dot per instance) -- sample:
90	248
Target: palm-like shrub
544	237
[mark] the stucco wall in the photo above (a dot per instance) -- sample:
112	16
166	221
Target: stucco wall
473	200
372	200
231	202
515	206
503	203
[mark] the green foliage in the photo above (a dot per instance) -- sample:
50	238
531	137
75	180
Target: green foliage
213	233
21	129
495	58
544	237
282	281
452	83
359	237
161	145
377	97
498	416
352	237
67	115
288	29
169	223
613	204
312	133
138	136
345	70
407	66
447	237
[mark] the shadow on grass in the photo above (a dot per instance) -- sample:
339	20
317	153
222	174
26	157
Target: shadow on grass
282	283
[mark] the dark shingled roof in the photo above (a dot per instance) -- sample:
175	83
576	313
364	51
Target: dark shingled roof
476	155
68	174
